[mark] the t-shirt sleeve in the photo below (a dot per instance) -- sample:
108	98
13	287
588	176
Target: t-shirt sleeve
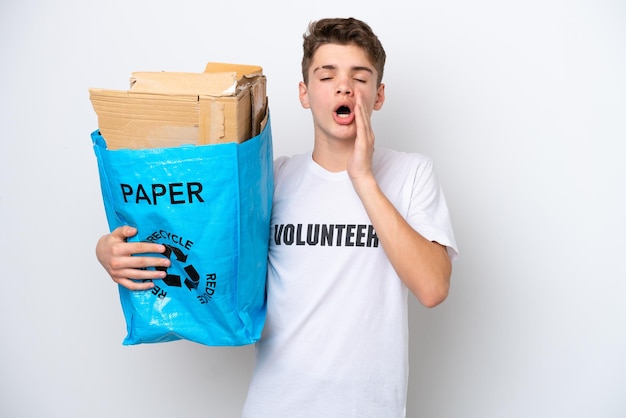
428	209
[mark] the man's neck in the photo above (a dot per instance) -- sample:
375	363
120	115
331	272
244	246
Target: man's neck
333	155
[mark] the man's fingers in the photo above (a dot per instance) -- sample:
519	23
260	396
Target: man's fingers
139	262
147	247
364	127
130	248
137	274
145	262
134	285
131	264
123	232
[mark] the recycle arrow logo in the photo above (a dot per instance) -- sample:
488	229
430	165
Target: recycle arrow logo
174	280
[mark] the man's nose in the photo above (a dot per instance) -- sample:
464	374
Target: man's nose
344	88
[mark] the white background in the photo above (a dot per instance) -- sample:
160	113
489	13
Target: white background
522	106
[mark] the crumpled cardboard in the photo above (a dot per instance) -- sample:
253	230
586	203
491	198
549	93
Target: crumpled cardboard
225	103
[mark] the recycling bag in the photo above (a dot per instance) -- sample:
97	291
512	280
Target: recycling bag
210	206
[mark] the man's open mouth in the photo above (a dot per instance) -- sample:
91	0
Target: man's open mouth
343	111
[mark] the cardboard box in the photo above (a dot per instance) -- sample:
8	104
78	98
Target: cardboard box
225	103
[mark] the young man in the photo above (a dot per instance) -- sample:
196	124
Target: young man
354	227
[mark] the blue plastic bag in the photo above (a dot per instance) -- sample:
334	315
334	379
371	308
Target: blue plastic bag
210	206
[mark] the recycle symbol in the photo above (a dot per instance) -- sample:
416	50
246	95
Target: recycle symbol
174	280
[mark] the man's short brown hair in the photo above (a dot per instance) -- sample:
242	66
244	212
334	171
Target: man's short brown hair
342	31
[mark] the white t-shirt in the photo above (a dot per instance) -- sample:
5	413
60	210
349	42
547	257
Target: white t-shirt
335	343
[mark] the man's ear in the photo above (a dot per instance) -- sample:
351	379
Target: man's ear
303	95
380	97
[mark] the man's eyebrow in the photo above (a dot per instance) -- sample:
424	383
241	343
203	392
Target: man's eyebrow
362	68
325	67
353	69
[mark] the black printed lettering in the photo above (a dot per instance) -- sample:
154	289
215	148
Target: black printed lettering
372	238
172	193
127	190
141	194
289	233
312	234
350	235
360	234
338	235
327	235
175	239
278	231
194	189
339	229
299	240
158	190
